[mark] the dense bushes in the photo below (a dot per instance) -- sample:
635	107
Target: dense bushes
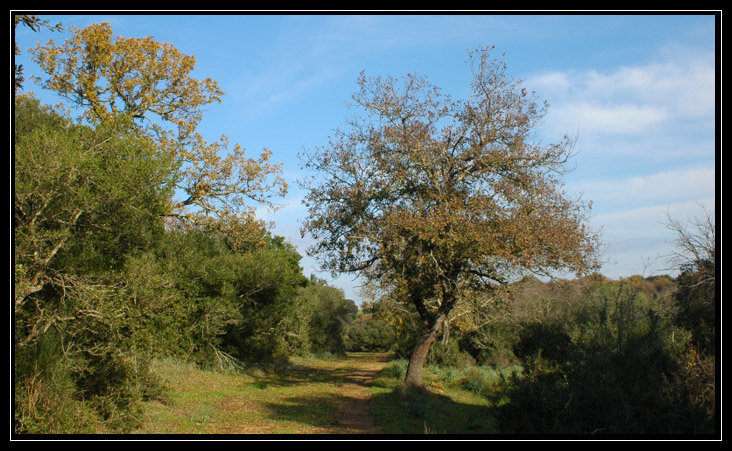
591	356
370	334
603	369
84	199
104	281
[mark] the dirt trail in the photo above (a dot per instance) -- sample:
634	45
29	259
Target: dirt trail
354	411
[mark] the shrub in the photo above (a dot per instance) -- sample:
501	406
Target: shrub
449	355
396	369
369	334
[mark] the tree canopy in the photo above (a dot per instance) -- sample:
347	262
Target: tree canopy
433	197
112	77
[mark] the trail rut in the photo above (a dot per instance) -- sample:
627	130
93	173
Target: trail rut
354	406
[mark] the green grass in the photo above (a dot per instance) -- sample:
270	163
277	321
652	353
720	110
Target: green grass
304	398
241	402
454	402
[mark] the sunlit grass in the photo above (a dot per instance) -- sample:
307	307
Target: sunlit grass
303	398
245	402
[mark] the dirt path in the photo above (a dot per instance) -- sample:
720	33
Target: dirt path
354	410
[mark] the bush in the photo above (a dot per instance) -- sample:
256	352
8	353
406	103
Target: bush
612	368
396	369
449	355
85	198
369	334
549	340
329	314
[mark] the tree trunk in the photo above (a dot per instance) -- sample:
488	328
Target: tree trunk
413	379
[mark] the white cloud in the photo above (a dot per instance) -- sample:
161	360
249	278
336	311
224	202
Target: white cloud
685	88
662	187
611	119
630	99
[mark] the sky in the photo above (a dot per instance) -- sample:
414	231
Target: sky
638	91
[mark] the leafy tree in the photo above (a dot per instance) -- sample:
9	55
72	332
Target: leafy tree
435	198
329	313
267	282
369	334
150	82
109	268
84	198
185	292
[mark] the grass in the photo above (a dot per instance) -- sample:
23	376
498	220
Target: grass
333	395
302	398
445	406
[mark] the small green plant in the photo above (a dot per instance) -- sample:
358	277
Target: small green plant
478	380
396	369
204	414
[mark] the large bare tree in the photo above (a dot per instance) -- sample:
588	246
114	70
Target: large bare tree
438	199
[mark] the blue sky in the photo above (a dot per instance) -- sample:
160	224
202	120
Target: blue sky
637	90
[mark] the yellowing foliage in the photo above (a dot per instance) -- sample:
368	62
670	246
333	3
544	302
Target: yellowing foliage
150	82
433	197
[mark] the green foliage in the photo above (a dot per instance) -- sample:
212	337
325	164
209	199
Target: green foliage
200	299
84	198
267	284
108	267
492	344
396	369
549	340
609	367
369	334
583	356
327	314
628	356
449	354
184	290
696	306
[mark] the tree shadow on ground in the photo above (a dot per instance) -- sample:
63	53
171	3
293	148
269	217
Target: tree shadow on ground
293	374
317	410
425	412
391	413
322	412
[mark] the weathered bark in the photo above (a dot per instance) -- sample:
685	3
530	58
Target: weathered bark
413	378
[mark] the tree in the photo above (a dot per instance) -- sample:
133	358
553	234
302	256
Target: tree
84	199
151	83
328	317
434	198
35	24
695	246
695	258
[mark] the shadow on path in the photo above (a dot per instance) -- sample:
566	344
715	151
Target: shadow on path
345	392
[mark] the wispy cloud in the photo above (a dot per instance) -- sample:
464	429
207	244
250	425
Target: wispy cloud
622	118
631	99
648	150
657	188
